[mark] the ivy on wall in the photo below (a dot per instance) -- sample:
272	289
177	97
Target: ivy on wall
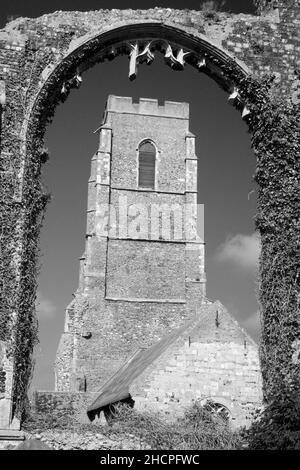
274	124
22	211
276	144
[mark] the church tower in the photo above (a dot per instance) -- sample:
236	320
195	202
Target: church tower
142	273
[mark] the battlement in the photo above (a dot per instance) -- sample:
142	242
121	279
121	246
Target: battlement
147	106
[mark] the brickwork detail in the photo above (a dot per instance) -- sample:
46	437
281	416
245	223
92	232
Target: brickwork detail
212	361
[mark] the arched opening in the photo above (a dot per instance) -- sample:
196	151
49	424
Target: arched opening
142	39
60	81
63	134
146	165
219	410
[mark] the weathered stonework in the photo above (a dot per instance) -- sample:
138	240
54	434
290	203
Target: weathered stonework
72	404
138	277
42	59
208	359
213	360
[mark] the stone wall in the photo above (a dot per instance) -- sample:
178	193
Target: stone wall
266	42
157	206
166	131
216	360
140	270
70	405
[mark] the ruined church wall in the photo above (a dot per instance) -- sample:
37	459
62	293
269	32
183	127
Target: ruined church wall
220	363
266	42
226	373
117	330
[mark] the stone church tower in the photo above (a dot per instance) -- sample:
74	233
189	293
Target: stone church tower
142	272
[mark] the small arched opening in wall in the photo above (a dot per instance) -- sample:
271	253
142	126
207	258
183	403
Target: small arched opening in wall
51	86
147	164
218	408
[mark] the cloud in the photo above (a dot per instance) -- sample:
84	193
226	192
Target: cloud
241	250
45	307
252	324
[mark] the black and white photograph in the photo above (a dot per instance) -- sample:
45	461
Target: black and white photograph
149	229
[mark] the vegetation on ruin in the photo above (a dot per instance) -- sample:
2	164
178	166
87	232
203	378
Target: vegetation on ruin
275	428
198	429
275	137
22	213
278	427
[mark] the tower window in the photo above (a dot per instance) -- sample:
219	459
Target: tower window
147	155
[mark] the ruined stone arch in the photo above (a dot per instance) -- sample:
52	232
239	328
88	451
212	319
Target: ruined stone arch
111	42
108	44
39	58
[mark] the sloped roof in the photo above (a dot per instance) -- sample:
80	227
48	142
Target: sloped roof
117	387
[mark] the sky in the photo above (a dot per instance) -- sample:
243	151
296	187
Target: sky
225	183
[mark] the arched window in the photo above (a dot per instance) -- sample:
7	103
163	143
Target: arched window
217	409
147	155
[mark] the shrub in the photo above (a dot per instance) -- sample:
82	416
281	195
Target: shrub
278	426
54	419
198	429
